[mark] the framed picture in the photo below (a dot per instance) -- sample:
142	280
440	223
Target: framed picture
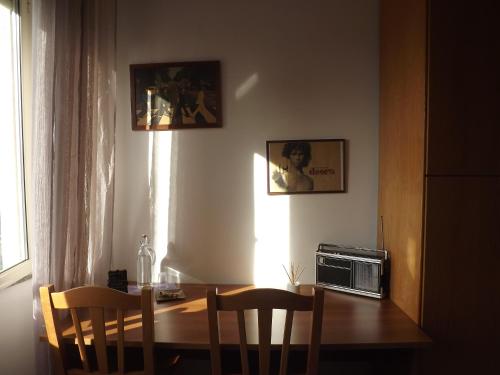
169	96
306	166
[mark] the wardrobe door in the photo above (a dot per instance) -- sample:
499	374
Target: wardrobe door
463	88
402	145
461	290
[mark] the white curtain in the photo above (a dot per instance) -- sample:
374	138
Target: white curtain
70	230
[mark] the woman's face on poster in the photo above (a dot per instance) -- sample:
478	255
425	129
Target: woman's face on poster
297	158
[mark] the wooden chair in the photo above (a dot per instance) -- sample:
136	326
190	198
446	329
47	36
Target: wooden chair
265	300
97	300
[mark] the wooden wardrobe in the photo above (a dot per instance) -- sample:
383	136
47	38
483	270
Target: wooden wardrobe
439	191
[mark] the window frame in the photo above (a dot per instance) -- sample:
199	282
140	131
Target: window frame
22	270
15	274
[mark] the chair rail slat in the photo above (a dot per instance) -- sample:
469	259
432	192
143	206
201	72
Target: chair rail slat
148	330
286	342
120	341
98	328
79	339
265	317
245	368
315	341
213	324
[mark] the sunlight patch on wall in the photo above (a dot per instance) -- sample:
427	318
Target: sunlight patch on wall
159	173
272	231
246	86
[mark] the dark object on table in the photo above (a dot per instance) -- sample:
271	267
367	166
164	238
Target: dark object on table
118	280
353	270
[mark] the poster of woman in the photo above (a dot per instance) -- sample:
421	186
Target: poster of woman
306	166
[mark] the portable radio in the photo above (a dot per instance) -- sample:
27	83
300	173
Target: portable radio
353	270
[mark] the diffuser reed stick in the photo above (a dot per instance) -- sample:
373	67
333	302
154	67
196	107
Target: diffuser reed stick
294	273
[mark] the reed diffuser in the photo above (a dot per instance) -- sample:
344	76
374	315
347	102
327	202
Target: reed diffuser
293	274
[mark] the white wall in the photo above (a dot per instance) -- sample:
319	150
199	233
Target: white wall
16	330
290	70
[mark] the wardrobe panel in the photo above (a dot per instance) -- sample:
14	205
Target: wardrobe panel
464	88
402	131
461	289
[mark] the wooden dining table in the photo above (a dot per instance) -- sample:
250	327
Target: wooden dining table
355	329
349	322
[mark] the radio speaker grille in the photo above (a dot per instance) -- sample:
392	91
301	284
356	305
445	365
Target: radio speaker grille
366	276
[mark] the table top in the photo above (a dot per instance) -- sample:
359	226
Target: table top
349	322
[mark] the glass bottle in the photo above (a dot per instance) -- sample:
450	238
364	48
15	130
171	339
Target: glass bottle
145	259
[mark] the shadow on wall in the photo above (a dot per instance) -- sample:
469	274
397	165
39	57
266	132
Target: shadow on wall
179	264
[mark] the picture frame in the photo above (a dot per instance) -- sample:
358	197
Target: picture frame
306	166
178	95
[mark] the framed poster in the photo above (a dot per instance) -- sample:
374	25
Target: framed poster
183	95
306	166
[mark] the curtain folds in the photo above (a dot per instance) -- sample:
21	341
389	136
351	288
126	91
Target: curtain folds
74	81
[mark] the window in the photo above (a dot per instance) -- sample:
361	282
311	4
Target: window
13	244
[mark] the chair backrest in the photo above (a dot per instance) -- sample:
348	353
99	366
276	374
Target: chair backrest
264	301
97	300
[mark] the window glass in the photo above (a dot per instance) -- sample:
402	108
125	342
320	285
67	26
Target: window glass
13	249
